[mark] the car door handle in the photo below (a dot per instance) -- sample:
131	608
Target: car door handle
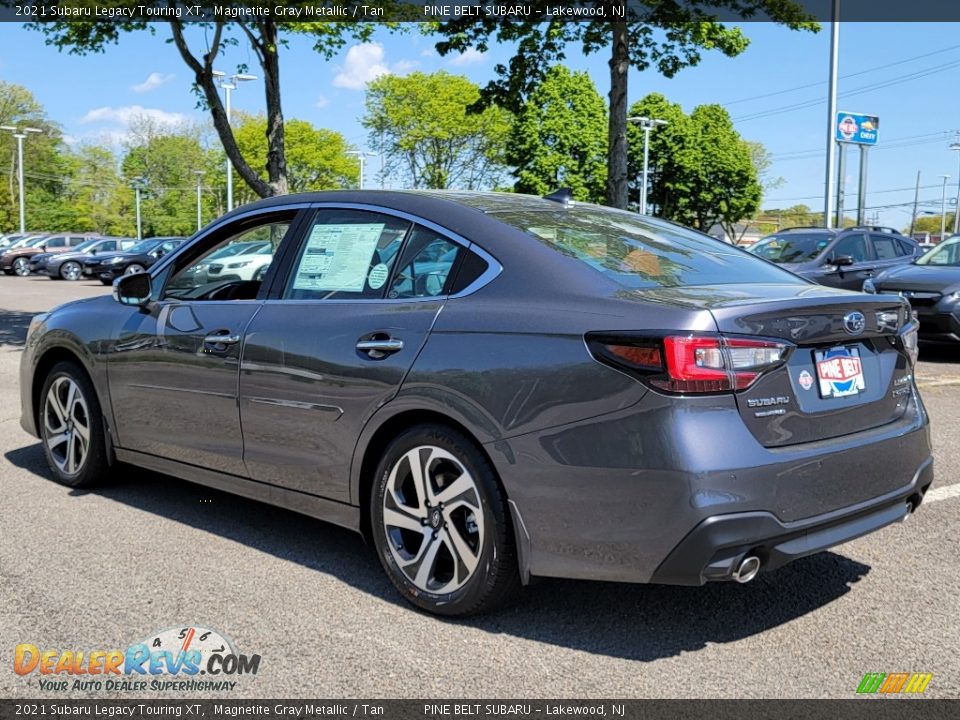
379	348
225	339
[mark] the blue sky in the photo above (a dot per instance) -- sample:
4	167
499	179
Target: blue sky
95	96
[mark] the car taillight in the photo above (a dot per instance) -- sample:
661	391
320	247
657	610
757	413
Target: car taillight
691	363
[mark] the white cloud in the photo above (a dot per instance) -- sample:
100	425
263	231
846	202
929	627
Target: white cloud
153	81
428	52
470	56
366	62
124	115
322	101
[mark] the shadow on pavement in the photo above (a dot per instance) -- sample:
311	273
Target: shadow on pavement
939	352
13	326
636	622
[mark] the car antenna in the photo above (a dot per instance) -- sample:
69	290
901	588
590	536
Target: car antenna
564	196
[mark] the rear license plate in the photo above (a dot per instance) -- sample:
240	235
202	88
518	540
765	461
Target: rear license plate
839	371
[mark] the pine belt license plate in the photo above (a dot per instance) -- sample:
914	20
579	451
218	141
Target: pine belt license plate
839	372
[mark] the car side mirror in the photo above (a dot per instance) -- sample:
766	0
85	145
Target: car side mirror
133	289
842	261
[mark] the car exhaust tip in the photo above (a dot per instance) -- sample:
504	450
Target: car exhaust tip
747	569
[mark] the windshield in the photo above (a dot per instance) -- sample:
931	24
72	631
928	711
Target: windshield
641	252
792	247
144	246
946	253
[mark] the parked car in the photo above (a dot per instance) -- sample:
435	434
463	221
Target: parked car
17	261
10	254
9	241
69	265
932	286
109	266
576	391
839	258
249	258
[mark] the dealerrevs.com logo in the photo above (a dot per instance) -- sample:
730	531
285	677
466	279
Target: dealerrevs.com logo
182	659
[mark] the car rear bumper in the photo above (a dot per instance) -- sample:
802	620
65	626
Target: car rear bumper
715	548
660	495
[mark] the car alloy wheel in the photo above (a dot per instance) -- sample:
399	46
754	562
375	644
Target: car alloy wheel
133	268
71	270
66	424
433	519
21	266
441	523
71	427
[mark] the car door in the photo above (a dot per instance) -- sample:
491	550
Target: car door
173	366
887	251
850	277
354	306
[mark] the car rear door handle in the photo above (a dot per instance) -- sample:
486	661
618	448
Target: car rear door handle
378	348
225	339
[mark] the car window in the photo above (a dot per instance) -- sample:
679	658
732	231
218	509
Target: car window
641	252
906	248
792	247
946	253
106	246
75	241
885	248
853	245
346	254
425	266
224	263
56	242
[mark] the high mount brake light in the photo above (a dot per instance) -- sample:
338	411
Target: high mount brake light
692	364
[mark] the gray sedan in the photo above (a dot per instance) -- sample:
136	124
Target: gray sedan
496	387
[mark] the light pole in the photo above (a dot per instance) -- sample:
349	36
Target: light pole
832	114
138	184
199	174
943	206
362	156
646	124
956	210
228	87
20	134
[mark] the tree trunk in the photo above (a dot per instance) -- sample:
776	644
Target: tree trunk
276	157
617	130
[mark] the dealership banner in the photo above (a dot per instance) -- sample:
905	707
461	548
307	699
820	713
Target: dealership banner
488	709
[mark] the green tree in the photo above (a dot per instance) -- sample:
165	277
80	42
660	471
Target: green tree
703	170
166	159
317	158
93	196
559	137
429	139
665	36
264	38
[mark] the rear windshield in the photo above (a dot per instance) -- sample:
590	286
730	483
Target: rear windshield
640	252
792	248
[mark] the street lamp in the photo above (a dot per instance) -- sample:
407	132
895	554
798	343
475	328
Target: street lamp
138	184
228	86
956	212
943	206
646	124
199	174
20	134
362	156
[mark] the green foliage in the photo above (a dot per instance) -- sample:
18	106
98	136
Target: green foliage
316	158
429	139
559	138
702	171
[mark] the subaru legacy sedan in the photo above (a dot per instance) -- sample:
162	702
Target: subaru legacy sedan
495	387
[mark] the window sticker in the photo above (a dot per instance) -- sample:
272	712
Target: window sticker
378	276
337	257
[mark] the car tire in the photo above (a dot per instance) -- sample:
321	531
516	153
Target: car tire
21	267
71	427
134	268
448	554
70	270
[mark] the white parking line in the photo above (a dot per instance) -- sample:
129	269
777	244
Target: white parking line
942	493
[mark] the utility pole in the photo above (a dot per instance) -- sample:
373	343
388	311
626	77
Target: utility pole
832	112
199	174
362	156
956	209
916	197
20	134
138	184
647	125
943	207
862	192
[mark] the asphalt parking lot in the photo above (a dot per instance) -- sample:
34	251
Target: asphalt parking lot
99	570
